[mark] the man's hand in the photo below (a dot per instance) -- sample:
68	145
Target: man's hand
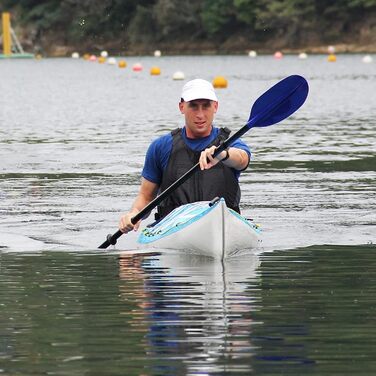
126	225
206	158
237	159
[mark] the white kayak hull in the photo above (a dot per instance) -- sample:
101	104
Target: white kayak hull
208	229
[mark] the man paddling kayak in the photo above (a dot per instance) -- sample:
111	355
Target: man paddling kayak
173	154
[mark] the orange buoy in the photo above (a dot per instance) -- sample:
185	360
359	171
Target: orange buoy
278	55
155	71
101	59
220	82
332	58
122	64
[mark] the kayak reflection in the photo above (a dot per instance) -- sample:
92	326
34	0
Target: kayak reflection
196	312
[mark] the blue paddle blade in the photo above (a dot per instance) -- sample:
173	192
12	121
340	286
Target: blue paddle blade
279	102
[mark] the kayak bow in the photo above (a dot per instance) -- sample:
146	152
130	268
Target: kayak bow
204	228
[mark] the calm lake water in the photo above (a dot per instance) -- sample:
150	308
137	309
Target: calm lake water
73	136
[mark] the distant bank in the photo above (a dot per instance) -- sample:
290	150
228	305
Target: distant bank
240	47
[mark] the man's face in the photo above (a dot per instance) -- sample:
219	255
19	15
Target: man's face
199	115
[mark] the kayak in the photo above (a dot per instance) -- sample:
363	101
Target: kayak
207	228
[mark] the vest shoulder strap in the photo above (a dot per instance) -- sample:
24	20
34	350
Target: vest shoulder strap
175	131
224	133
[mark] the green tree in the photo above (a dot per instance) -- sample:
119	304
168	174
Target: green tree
176	19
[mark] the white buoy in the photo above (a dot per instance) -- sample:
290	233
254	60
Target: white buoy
367	59
157	53
331	50
178	76
303	55
252	53
75	55
104	54
111	61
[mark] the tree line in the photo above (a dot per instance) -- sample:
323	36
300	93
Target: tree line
125	23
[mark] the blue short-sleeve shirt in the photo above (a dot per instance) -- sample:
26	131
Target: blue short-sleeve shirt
159	151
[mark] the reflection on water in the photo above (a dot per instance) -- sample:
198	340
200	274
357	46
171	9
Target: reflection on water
196	309
210	298
293	312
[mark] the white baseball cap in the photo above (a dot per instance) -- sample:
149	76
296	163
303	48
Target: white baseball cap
198	89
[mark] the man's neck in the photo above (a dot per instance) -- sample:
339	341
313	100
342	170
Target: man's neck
194	136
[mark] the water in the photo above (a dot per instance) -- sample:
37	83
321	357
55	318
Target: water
293	312
73	136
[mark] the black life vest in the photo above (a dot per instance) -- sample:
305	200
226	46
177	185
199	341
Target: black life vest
218	181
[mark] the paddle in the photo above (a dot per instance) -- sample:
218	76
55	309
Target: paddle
276	104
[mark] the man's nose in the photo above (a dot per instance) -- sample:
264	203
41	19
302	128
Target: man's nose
200	111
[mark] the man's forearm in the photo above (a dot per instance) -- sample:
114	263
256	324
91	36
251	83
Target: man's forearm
237	158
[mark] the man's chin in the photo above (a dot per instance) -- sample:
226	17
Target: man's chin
200	131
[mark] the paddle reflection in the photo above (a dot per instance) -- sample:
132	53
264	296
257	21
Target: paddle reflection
197	312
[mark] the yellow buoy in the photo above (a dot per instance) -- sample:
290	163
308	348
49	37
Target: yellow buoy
220	82
86	57
332	58
155	71
122	64
101	59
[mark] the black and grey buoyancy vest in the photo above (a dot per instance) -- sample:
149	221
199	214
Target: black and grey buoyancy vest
218	181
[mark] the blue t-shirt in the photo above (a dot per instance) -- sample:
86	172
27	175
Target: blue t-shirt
159	151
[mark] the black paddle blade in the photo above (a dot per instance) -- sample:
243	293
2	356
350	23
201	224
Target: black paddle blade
279	102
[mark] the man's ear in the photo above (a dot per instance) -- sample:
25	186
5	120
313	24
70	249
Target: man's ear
181	107
215	107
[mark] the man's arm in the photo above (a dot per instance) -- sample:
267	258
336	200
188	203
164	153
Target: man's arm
147	193
237	159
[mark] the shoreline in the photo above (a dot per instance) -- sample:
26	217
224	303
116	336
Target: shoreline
62	51
57	47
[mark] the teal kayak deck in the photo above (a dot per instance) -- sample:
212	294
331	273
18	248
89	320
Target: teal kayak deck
182	217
